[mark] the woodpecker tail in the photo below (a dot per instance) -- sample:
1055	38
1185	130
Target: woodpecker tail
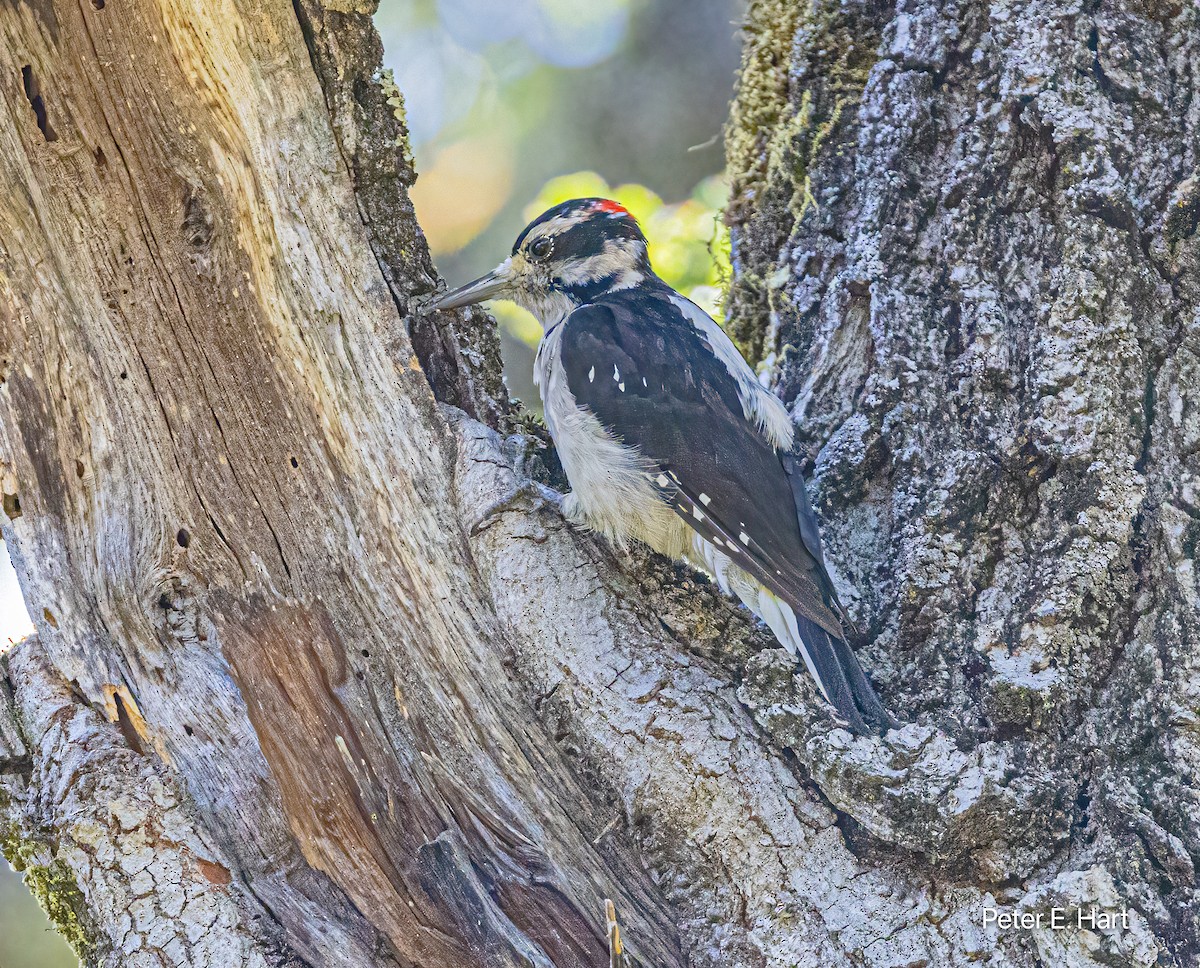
832	664
835	668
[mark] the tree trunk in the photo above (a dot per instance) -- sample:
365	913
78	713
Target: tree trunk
319	680
965	244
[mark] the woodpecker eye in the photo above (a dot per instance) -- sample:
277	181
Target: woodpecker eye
541	248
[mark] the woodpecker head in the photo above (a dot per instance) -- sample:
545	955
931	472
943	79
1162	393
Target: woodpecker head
566	257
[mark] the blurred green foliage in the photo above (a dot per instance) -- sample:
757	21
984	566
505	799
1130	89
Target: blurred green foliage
502	96
689	244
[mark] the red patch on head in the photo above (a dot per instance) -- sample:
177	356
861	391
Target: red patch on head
612	208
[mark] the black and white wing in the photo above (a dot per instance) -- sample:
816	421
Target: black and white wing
650	377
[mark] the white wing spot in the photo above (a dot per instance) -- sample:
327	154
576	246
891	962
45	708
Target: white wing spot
592	375
743	537
621	387
616	373
705	500
662	480
697	514
644	383
718	542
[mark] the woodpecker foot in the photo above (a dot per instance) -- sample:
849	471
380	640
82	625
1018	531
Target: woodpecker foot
528	497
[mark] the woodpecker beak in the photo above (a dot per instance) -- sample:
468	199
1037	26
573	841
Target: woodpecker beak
495	283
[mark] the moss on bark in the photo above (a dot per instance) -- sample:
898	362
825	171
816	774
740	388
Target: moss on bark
804	67
54	886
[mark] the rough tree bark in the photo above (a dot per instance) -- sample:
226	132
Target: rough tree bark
965	241
318	681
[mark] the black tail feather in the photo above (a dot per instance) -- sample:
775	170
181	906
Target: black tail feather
842	679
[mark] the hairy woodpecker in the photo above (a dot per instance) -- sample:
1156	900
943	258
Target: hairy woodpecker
666	435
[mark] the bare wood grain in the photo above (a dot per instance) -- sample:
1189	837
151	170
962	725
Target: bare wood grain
237	531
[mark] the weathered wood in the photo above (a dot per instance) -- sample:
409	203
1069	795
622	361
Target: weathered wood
13	750
108	841
459	352
237	532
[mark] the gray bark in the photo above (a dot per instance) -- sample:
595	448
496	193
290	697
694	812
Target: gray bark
965	243
309	640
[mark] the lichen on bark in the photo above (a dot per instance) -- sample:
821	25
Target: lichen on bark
104	838
52	884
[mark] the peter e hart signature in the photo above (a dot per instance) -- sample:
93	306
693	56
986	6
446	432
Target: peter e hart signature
1093	918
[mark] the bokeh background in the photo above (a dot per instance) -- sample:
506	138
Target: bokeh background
514	106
